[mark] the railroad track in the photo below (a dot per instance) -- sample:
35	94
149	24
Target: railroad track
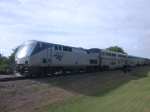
15	78
10	78
5	78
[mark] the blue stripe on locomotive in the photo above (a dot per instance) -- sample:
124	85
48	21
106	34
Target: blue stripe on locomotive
38	48
44	46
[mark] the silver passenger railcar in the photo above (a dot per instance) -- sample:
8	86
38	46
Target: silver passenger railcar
110	59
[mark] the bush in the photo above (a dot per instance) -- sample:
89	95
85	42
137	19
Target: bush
5	69
6	63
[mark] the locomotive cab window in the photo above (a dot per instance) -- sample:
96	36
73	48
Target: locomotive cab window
65	48
56	48
44	45
70	49
40	44
60	48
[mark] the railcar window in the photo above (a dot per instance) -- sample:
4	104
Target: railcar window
44	60
95	61
91	61
56	48
65	48
70	49
60	48
103	53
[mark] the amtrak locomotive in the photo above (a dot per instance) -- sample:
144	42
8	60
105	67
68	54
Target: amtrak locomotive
37	58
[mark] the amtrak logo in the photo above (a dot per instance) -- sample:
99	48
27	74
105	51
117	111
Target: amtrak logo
59	56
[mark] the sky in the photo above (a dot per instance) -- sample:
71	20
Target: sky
78	23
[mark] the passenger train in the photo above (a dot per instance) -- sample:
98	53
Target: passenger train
38	58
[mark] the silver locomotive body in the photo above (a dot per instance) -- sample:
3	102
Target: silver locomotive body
35	57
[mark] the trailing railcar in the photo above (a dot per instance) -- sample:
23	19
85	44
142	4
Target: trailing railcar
147	61
131	61
110	59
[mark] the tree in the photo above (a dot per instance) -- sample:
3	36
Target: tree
12	56
116	49
12	60
6	63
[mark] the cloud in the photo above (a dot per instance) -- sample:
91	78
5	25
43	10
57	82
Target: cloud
4	50
135	47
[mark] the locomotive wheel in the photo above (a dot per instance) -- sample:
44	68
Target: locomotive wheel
53	71
93	69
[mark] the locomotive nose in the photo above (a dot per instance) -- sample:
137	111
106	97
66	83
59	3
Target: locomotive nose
20	61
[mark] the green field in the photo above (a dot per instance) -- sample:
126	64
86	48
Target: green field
121	96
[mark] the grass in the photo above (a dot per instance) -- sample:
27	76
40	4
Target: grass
133	96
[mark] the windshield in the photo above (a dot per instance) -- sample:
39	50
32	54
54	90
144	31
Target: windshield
25	49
